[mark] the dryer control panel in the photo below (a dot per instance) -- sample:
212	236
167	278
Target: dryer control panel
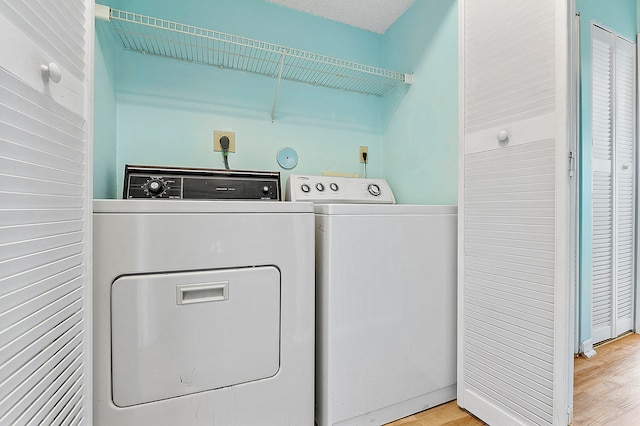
200	184
329	189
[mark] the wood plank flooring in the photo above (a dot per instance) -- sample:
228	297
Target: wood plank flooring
448	414
606	391
607	387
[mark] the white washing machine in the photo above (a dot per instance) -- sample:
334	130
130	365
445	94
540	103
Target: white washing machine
203	312
385	301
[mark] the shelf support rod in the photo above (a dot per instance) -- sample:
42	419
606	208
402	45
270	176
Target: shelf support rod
275	100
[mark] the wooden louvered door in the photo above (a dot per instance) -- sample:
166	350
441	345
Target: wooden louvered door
44	212
514	340
613	183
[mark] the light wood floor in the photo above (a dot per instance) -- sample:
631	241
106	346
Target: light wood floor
606	391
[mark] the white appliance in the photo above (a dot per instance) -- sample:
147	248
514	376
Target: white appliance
203	312
385	301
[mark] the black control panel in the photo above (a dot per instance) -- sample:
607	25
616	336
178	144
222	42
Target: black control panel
199	184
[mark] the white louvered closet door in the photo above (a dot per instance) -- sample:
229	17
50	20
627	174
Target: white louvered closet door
602	183
625	139
44	212
514	347
613	183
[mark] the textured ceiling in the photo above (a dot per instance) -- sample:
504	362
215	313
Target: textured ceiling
372	15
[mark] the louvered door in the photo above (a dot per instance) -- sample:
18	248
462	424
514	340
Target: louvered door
44	369
625	137
602	183
514	359
613	183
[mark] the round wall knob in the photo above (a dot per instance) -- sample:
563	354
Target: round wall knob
51	72
503	136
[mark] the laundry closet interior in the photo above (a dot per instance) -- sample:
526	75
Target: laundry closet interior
150	109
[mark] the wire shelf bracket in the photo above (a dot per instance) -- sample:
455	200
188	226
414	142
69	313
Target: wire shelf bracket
160	37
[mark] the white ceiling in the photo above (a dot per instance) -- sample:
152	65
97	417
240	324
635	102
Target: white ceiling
372	15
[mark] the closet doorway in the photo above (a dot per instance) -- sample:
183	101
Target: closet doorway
613	191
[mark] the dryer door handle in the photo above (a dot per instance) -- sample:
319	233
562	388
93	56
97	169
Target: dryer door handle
204	292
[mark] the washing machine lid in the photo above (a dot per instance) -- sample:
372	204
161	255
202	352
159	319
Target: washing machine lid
199	206
383	209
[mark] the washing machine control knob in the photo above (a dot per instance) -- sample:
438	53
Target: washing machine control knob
305	187
320	187
155	186
333	186
374	189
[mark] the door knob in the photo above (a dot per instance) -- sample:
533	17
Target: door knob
51	72
503	136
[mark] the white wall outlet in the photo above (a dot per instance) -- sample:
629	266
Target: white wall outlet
217	134
365	150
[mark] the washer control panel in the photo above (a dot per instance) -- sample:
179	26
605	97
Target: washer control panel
329	189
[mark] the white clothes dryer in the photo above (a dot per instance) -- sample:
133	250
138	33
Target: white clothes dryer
385	301
203	312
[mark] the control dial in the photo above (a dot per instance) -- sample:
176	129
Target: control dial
320	187
374	189
305	188
155	187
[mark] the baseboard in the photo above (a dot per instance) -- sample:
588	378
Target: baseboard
586	348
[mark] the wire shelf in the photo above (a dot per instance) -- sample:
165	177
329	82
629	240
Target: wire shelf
193	44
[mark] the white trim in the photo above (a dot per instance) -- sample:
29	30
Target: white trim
586	348
461	216
563	337
575	178
88	212
637	214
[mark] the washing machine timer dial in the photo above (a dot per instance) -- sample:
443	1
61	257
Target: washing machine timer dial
155	187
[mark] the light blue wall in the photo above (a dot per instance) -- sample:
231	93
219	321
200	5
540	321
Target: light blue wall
105	109
421	134
621	17
105	121
167	110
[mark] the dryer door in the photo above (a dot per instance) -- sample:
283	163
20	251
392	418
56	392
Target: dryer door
179	333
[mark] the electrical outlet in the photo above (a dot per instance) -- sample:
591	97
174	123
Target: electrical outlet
217	134
365	150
